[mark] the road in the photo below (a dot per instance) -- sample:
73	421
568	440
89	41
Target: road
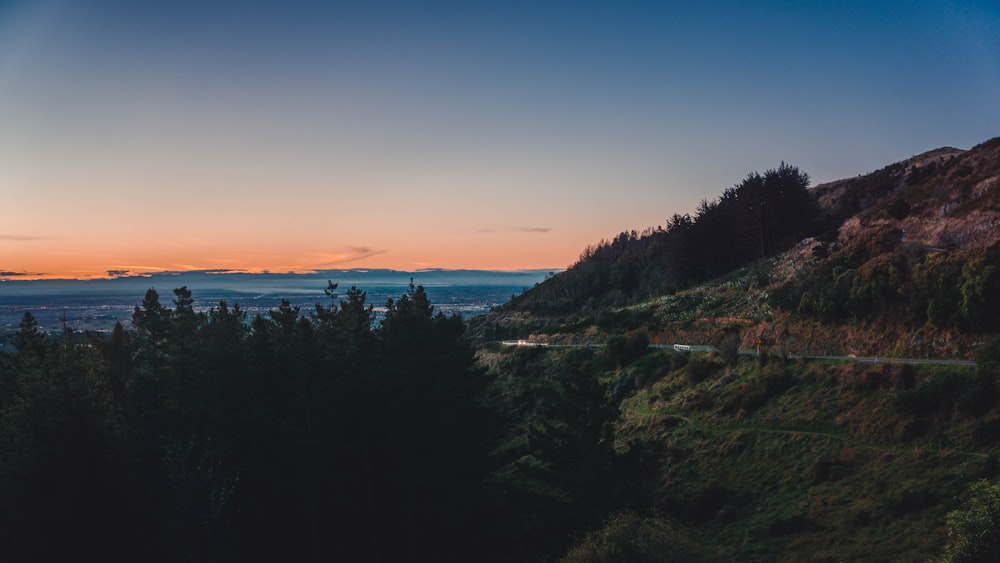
705	348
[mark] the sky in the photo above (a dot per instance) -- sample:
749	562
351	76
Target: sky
143	136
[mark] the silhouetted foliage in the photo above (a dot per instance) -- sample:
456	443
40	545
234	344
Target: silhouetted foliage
554	462
759	217
205	436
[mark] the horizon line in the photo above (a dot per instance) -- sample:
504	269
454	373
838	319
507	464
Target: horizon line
10	276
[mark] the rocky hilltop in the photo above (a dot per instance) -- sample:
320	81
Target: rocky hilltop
944	198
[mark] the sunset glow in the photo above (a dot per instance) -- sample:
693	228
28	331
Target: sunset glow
312	135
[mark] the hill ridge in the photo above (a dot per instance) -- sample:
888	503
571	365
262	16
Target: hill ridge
892	260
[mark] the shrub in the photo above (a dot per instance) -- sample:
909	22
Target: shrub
630	537
930	396
988	355
909	497
698	400
977	396
974	529
898	209
699	369
772	381
905	377
653	367
986	432
729	348
625	349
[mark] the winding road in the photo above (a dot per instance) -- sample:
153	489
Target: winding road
705	348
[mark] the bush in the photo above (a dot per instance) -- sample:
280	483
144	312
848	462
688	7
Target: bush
986	432
622	350
910	497
978	396
899	209
772	381
630	537
974	530
930	396
988	355
905	377
704	503
699	369
729	348
653	367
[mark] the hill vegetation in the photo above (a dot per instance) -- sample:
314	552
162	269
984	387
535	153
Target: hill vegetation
909	252
761	216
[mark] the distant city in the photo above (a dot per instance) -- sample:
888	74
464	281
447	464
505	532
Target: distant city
96	305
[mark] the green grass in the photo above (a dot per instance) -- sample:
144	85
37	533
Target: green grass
820	467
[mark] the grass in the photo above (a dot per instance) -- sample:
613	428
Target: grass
821	469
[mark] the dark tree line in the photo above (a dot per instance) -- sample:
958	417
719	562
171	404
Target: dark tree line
761	216
207	436
301	435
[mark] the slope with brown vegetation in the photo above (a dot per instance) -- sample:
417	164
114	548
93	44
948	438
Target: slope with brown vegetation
917	270
944	198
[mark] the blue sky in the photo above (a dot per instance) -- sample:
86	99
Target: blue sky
296	135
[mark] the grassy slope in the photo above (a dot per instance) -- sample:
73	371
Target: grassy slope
810	461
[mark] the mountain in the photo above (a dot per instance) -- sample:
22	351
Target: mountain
942	198
891	252
755	452
271	283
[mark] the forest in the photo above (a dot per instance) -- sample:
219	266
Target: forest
326	434
763	215
207	436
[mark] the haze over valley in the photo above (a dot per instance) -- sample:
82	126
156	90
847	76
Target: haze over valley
96	305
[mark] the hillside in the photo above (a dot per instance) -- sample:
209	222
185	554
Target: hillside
886	256
673	456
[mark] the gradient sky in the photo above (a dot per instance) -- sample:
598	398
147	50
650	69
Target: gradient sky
145	136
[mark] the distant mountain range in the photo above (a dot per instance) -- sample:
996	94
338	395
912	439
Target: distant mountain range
98	304
286	284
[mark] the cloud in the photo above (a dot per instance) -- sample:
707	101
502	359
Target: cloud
5	274
515	230
146	268
22	237
351	254
224	271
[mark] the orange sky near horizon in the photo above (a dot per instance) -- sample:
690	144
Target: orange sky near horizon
86	258
307	135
